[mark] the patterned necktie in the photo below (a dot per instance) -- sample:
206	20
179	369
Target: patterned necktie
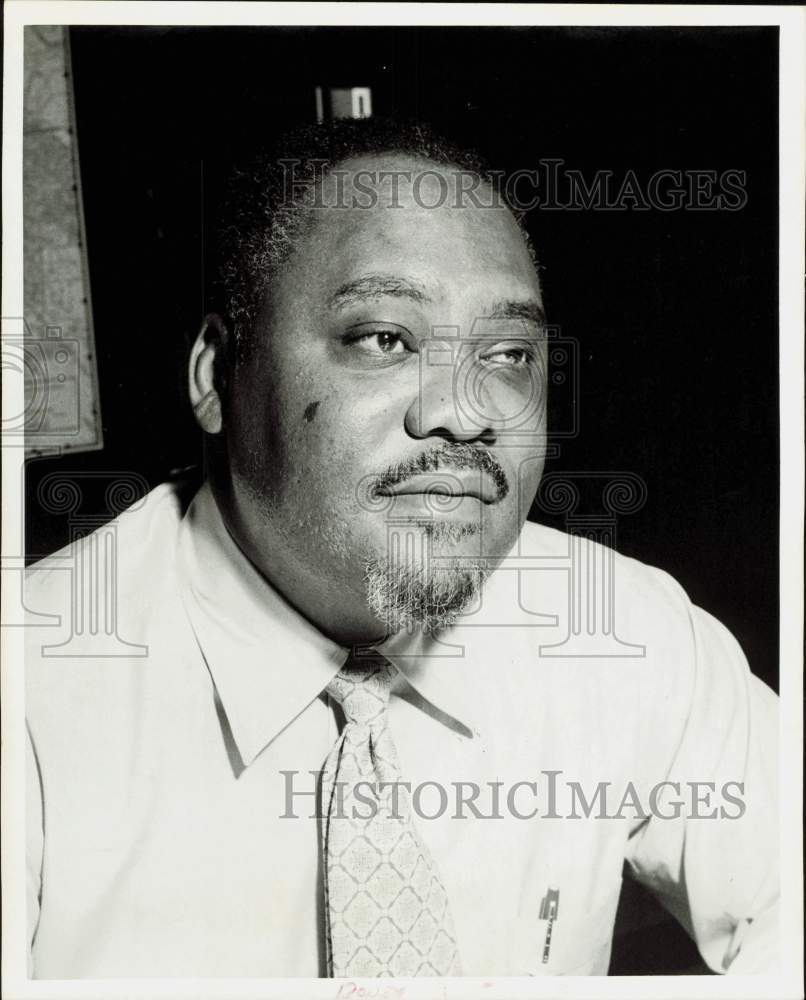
387	911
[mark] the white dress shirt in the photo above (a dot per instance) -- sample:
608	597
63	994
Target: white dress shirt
159	840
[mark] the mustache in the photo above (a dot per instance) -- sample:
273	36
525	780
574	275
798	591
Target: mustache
457	456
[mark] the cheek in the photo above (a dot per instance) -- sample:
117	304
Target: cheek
528	476
329	442
344	419
518	402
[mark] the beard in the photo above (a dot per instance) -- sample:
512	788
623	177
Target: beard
407	592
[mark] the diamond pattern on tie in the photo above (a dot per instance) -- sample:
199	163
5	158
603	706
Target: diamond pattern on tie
387	911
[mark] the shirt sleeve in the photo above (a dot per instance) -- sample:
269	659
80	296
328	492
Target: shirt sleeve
708	850
34	840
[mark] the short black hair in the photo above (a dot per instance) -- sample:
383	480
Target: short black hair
263	210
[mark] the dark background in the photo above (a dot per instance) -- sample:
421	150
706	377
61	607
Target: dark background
675	313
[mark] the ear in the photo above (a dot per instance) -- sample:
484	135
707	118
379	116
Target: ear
209	352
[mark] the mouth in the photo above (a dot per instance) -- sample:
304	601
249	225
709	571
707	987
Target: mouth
458	484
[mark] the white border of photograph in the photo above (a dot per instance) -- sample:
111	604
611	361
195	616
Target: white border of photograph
789	982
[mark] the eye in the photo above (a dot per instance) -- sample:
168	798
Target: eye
510	356
380	342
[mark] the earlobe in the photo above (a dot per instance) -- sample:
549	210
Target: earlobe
208	413
208	351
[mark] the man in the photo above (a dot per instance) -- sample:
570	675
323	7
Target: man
360	731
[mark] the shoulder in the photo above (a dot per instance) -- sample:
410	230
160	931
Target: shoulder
637	586
108	647
633	620
629	632
99	611
127	553
684	651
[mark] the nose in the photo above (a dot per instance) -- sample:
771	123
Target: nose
442	407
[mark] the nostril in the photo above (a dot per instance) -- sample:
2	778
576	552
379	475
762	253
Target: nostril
438	416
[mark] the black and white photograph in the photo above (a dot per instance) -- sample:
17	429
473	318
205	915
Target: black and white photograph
402	500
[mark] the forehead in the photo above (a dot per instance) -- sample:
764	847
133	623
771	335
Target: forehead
400	215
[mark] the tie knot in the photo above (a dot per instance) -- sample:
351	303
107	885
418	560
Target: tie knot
362	687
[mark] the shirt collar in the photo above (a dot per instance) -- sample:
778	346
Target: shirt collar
436	667
453	669
267	661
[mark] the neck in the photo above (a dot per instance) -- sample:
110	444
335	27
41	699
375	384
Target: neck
336	610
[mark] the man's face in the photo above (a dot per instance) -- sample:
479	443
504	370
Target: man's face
386	431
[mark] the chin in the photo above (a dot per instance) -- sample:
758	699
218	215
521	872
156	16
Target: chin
446	533
405	589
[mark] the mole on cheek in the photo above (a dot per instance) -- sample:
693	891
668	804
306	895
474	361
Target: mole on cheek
310	411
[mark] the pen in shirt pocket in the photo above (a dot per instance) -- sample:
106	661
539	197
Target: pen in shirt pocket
549	909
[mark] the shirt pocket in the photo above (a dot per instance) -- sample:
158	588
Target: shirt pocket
579	942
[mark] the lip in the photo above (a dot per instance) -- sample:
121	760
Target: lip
460	483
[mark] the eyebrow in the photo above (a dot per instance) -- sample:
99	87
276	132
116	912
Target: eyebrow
374	286
527	309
